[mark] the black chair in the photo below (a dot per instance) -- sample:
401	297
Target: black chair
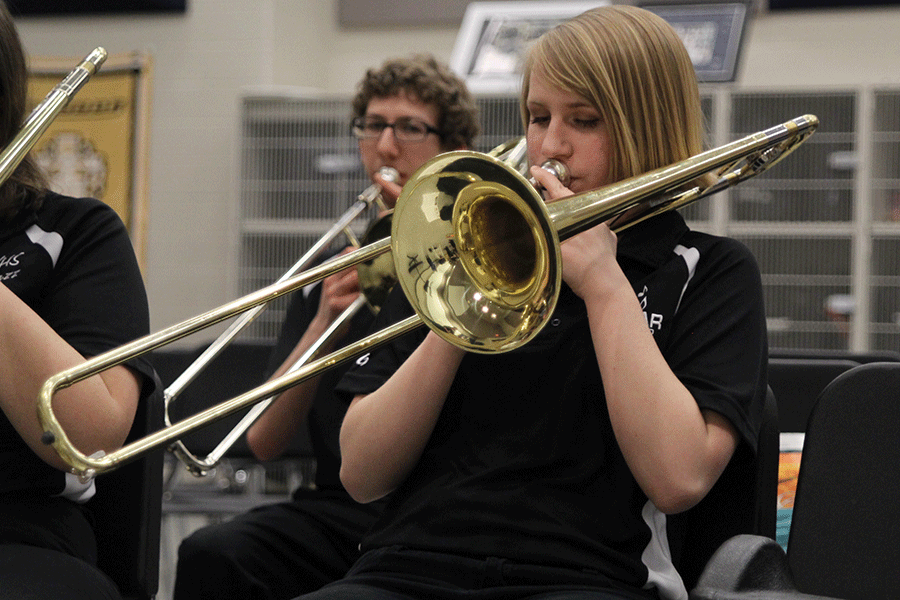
742	501
858	357
127	512
797	382
845	536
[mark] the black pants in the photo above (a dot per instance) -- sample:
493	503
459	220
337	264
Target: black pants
402	574
273	552
48	551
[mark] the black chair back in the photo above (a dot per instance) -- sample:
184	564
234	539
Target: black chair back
127	512
845	532
797	383
857	357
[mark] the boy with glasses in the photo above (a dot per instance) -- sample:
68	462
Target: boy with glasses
404	113
407	112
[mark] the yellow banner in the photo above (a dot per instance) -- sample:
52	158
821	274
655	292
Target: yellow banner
96	146
88	149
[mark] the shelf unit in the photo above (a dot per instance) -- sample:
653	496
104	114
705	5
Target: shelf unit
824	224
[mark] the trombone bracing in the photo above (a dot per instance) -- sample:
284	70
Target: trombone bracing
476	251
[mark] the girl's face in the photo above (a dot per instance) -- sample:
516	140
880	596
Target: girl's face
566	127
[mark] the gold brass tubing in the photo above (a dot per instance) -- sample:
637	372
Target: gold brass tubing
487	278
199	466
376	277
86	467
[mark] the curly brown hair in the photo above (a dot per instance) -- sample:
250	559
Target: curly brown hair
24	188
426	79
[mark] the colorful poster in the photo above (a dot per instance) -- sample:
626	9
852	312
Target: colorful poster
788	469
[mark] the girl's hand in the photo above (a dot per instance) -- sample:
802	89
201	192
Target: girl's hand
589	262
589	258
553	188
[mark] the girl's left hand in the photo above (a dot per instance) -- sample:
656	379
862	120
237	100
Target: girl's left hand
586	256
589	262
553	189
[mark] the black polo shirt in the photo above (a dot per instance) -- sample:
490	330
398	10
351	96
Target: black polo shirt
73	263
523	464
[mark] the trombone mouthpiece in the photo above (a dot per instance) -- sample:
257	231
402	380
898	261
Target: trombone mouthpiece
373	192
389	174
557	169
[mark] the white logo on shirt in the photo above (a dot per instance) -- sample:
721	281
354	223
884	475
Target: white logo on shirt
10	261
654	320
643	298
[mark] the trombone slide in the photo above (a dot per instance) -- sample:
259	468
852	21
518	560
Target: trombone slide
200	467
86	467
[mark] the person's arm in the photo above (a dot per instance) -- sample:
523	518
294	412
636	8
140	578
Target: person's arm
96	413
271	434
384	433
675	450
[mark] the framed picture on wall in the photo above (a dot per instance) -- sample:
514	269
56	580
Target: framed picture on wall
493	38
712	34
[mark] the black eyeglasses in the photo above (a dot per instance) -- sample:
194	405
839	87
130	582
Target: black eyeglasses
405	129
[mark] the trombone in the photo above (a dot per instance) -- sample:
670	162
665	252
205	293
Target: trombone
44	113
369	197
476	251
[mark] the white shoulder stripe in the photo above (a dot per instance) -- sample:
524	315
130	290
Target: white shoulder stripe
691	257
76	491
657	557
50	241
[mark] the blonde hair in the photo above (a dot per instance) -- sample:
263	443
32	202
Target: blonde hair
634	69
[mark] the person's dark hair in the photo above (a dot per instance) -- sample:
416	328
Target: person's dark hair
24	188
424	78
